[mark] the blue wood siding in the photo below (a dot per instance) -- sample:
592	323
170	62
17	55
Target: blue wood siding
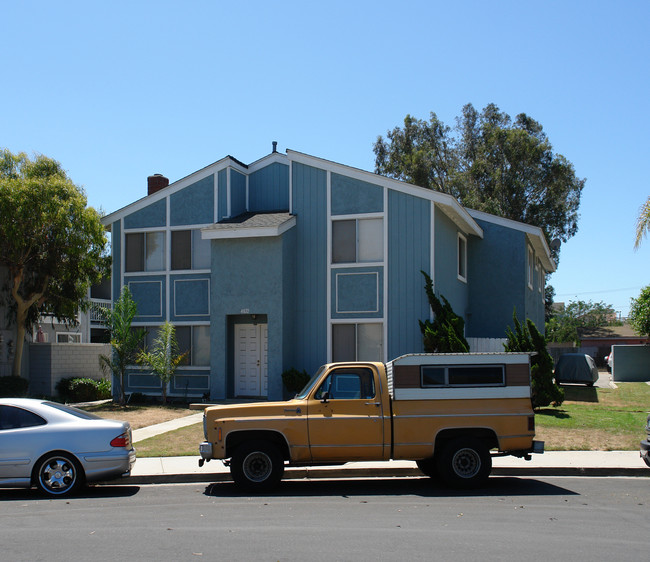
409	253
222	186
116	249
309	204
151	216
358	292
447	283
237	193
193	204
149	295
189	298
351	196
268	188
496	274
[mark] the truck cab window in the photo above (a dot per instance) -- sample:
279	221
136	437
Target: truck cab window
347	384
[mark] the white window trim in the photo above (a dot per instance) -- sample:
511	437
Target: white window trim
530	267
463	238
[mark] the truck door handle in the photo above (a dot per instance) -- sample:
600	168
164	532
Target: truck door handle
373	403
295	410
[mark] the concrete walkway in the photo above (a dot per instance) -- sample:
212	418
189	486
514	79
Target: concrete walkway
552	463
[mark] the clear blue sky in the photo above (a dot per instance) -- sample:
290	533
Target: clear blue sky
119	90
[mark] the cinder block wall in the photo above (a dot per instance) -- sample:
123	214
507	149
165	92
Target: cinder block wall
51	362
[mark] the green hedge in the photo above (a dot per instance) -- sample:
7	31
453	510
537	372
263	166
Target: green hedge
76	389
13	387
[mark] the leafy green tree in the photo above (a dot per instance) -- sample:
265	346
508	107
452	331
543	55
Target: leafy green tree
164	357
52	244
528	338
445	333
563	325
642	223
489	163
639	316
125	341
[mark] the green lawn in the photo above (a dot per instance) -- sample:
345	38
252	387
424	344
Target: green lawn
596	418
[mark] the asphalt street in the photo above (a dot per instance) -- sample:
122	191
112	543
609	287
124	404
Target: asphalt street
513	518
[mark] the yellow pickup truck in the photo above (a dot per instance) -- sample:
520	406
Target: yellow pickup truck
448	412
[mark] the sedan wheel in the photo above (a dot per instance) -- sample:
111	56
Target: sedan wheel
58	474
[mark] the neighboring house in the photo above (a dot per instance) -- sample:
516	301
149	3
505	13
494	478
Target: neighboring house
598	342
294	261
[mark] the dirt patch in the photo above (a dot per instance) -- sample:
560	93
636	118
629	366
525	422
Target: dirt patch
587	439
140	416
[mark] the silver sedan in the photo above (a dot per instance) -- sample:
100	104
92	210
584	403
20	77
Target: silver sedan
58	448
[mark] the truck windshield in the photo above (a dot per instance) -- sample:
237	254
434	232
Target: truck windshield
305	391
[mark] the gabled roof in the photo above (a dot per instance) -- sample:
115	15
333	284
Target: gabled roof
535	236
448	204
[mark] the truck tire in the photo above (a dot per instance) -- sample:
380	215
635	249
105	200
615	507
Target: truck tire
257	466
464	463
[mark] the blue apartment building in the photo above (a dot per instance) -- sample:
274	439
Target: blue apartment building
295	261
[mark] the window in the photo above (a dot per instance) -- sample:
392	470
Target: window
196	340
462	257
145	251
16	418
357	342
541	277
474	375
531	265
357	240
67	337
189	250
347	384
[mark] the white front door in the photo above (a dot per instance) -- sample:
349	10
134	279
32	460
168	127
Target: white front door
251	360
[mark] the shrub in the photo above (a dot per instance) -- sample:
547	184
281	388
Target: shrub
528	338
77	389
13	387
295	380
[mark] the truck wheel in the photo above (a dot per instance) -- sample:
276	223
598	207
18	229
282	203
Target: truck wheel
464	463
257	466
428	467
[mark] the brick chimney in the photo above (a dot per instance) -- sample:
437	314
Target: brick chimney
156	183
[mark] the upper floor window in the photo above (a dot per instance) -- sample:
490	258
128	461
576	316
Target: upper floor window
531	267
145	251
357	240
462	257
189	250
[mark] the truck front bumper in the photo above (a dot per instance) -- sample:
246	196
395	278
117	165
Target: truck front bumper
205	450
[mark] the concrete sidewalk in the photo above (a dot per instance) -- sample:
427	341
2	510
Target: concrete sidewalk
159	470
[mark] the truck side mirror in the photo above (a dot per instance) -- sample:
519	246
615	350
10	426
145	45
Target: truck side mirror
325	397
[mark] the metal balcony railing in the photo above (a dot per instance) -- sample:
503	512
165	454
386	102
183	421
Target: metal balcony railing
97	306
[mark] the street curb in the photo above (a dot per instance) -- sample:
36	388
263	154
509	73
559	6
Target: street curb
319	473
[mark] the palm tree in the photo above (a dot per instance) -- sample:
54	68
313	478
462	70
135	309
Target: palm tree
125	341
642	223
164	357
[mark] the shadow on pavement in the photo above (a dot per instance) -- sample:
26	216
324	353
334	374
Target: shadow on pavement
90	492
423	487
